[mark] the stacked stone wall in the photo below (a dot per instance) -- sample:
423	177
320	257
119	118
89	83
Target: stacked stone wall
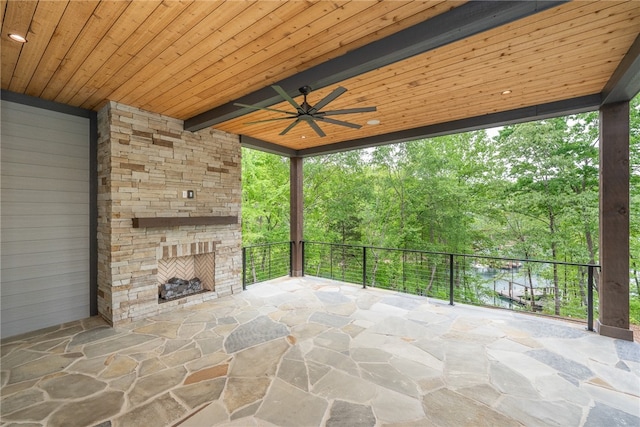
145	163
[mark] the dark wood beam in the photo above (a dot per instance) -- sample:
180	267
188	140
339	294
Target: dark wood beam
457	24
183	220
614	222
268	147
624	83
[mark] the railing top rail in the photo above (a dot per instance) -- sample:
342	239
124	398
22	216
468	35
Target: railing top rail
456	254
257	245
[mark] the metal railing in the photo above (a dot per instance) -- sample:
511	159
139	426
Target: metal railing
553	288
265	262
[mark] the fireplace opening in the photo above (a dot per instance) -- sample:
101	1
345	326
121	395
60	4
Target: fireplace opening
182	276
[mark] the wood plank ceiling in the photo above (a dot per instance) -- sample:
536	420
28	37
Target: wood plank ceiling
183	58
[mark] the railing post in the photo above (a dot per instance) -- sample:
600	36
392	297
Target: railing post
269	252
364	267
290	258
330	261
244	269
303	257
451	279
404	286
590	299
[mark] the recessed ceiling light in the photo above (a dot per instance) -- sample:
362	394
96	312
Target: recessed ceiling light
17	38
373	122
506	92
303	137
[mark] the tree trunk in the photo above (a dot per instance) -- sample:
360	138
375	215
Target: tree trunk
375	269
533	300
253	267
433	274
264	258
635	274
582	285
556	285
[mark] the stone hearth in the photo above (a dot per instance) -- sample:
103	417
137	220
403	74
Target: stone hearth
146	162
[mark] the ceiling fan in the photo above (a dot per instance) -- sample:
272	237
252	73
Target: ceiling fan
308	113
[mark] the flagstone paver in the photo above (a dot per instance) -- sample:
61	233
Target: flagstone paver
72	386
313	352
350	414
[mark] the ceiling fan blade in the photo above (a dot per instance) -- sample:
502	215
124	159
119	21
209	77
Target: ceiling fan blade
339	122
286	96
253	107
327	99
270	120
348	111
315	127
291	126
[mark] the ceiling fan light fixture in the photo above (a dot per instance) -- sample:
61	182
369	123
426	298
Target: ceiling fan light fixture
17	37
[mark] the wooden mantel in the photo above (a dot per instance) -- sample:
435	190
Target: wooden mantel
183	220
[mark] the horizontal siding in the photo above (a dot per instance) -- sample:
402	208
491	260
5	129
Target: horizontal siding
31	158
43	221
45	120
30	183
35	285
16	139
45	253
37	316
26	300
38	196
47	233
43	270
45	209
16	170
25	247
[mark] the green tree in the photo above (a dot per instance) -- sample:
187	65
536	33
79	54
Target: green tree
551	204
265	197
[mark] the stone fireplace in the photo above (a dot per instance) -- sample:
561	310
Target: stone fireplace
149	230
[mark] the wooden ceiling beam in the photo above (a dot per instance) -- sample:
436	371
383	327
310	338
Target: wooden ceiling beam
268	147
461	22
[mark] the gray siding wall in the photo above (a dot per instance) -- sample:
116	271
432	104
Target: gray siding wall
44	216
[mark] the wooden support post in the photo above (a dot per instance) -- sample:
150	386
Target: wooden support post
614	222
296	214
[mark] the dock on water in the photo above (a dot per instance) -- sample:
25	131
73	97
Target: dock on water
521	300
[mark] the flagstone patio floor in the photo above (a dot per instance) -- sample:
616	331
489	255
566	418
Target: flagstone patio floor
314	352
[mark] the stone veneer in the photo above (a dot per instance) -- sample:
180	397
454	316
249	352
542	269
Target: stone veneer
145	162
